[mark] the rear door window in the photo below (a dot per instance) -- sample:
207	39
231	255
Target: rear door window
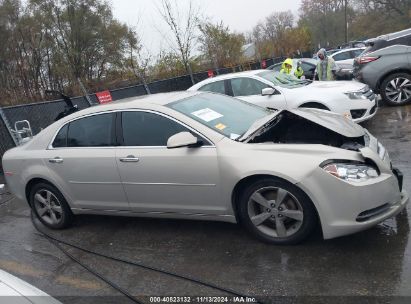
357	53
216	87
342	56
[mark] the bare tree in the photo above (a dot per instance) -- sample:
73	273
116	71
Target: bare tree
139	60
222	46
269	35
183	27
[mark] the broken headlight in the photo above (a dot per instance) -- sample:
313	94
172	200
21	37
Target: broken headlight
351	172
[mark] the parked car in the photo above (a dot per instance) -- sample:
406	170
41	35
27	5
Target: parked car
307	64
352	44
16	291
385	66
209	156
281	91
346	56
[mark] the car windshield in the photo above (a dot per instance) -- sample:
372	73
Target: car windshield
283	80
226	115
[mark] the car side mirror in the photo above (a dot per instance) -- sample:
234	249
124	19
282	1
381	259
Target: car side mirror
267	91
183	139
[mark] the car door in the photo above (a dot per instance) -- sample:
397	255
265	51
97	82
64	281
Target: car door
157	179
82	161
249	89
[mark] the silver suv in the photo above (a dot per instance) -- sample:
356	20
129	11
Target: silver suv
385	66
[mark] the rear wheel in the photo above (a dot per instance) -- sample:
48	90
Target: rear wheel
396	89
277	212
50	207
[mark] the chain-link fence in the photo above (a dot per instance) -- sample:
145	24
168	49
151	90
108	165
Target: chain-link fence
6	141
42	114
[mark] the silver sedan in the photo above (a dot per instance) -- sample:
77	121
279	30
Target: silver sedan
207	156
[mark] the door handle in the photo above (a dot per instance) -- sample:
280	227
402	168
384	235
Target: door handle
56	160
130	159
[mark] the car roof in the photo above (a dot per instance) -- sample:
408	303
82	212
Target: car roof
308	60
395	35
305	60
143	102
158	99
236	74
390	36
226	76
349	49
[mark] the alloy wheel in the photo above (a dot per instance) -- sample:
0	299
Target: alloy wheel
275	212
48	207
398	90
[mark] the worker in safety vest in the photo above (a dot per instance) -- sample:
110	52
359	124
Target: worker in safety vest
287	67
326	67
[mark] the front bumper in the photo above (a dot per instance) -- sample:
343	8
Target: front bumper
341	205
349	228
369	113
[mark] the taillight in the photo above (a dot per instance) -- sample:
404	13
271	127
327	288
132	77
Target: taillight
366	59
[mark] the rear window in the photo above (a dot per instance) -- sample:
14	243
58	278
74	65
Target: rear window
93	131
61	138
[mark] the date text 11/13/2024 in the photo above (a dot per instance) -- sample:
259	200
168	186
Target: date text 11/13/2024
202	299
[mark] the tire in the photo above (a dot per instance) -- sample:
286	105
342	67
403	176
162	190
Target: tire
50	207
294	202
396	89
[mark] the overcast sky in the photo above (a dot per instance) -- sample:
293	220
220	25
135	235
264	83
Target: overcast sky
239	15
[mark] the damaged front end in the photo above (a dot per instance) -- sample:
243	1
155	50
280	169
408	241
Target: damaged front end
312	126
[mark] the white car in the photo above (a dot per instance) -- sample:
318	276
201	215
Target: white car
209	157
346	57
280	91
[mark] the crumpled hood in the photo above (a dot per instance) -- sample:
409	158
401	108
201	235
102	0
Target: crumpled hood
330	120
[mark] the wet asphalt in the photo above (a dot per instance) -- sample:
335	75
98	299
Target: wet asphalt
373	266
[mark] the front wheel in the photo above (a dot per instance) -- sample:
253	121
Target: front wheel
396	89
50	207
277	212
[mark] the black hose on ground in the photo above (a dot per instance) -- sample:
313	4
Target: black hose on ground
6	201
56	242
147	267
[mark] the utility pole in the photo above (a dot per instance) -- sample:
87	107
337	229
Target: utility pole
345	20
